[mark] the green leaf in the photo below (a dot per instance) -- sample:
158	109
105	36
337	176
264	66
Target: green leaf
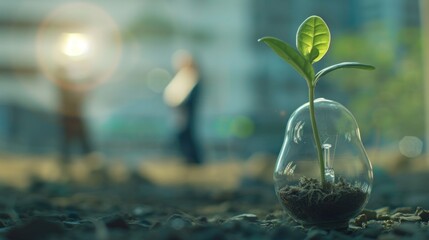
342	65
312	34
291	56
313	54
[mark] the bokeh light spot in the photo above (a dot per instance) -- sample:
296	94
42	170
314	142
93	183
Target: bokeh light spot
410	146
75	44
80	41
242	127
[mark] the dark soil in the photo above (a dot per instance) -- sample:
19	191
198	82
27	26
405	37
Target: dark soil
140	209
331	206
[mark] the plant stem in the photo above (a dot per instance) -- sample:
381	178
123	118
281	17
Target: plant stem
316	136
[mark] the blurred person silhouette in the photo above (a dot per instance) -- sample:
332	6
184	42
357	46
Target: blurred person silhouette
182	94
73	127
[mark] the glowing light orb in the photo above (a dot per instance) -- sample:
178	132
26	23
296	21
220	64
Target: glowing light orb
78	46
75	44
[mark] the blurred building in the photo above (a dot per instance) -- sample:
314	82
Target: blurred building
248	92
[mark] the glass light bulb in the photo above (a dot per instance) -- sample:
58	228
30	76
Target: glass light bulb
347	170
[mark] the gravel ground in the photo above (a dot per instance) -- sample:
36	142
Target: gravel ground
140	209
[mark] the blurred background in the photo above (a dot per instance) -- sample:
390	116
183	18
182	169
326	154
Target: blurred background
120	54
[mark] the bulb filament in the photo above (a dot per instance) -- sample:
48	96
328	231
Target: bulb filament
329	170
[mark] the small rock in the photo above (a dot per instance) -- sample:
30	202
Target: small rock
370	214
202	219
178	221
361	220
382	211
73	216
145	223
354	227
405	217
423	214
270	224
216	220
410	218
116	222
84	225
244	217
388	224
142	211
396	216
71	224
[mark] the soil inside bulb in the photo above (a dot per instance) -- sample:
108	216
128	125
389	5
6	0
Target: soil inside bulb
328	207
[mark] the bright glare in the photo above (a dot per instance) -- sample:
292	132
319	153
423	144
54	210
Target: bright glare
75	44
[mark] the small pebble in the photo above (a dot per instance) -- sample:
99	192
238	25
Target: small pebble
145	223
73	216
202	219
178	221
116	222
423	214
382	211
361	220
389	224
246	217
141	211
71	224
370	214
396	216
216	220
411	218
405	217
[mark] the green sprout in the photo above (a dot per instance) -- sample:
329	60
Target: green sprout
312	41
